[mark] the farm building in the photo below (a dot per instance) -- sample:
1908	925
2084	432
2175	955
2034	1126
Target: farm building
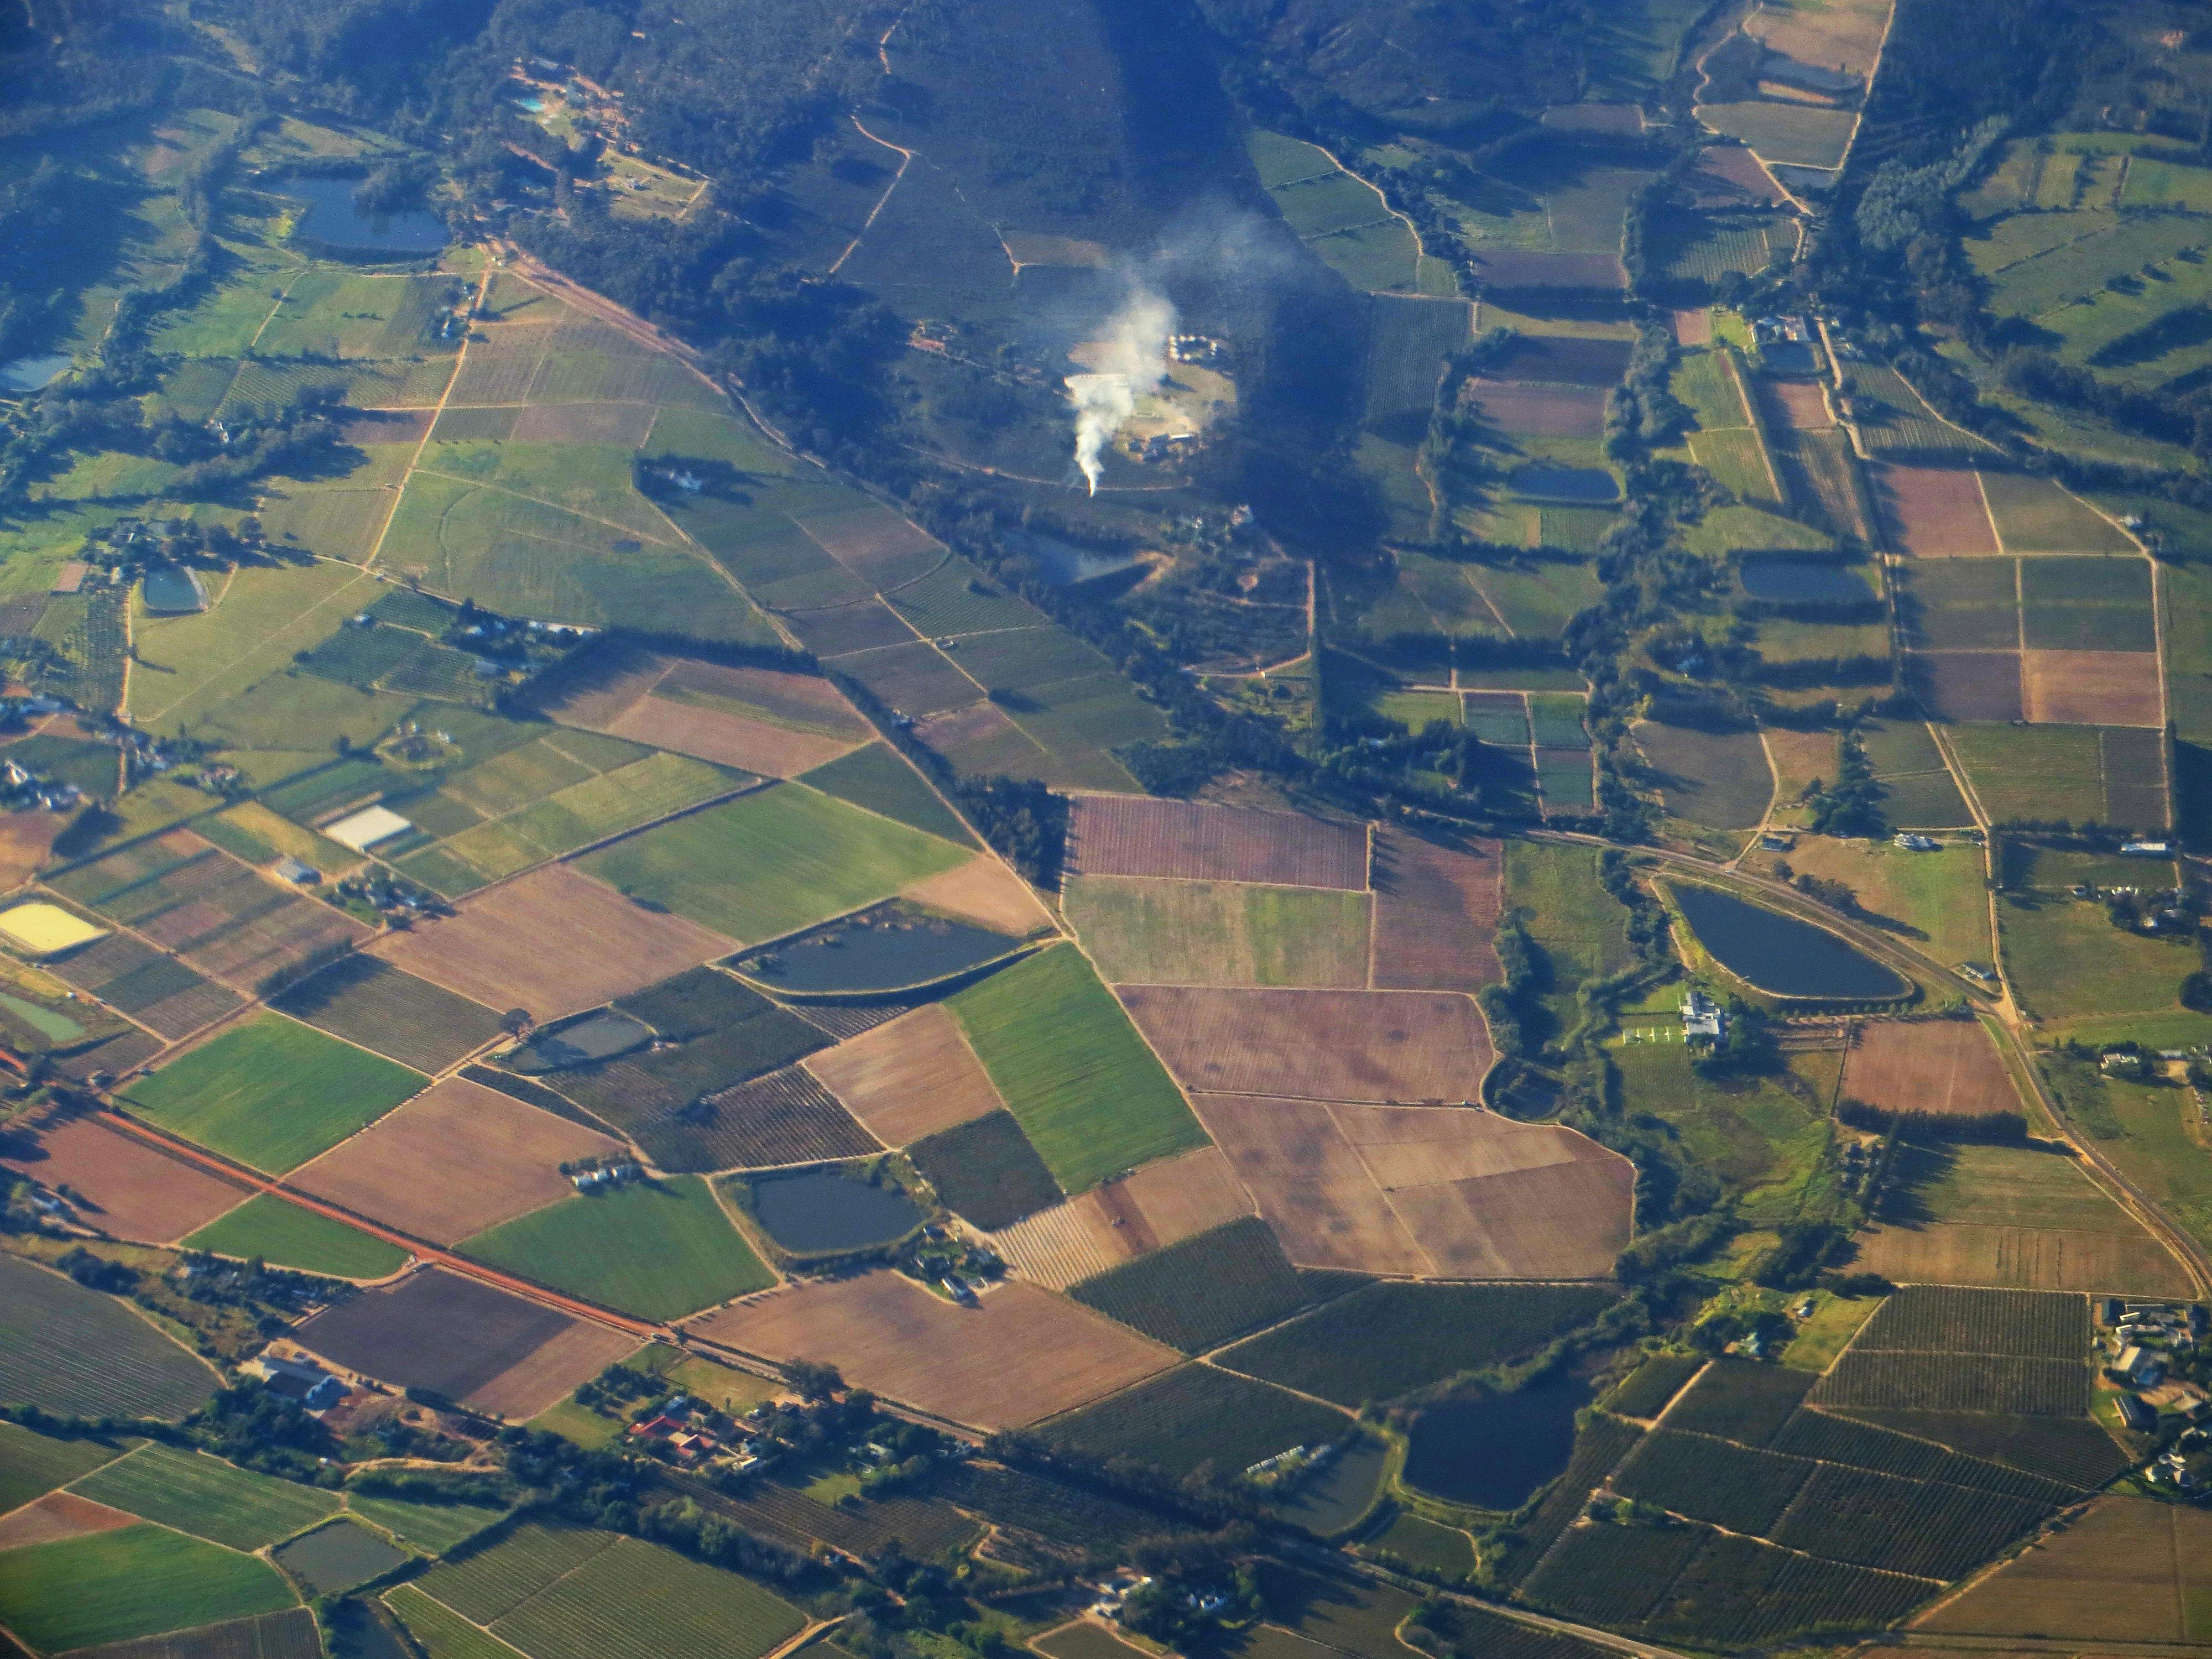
297	872
361	830
2136	1415
1701	1017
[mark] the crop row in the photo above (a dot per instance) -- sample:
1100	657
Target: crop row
2020	1324
1199	1293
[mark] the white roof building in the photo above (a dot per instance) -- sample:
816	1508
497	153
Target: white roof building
364	828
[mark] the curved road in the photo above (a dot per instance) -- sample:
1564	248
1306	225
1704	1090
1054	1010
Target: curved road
2184	1248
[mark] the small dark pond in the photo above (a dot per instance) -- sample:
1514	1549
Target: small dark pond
1779	953
32	374
822	1210
884	949
171	590
331	217
1495	1450
1805	581
596	1036
1338	1495
1553	481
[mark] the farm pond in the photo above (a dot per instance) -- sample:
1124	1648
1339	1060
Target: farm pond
331	217
1550	481
886	949
1494	1450
171	590
825	1210
1805	581
1780	954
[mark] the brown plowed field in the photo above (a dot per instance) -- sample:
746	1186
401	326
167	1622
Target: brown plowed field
986	892
726	739
1567	360
1968	685
1311	1185
874	544
2131	1571
1736	165
57	1515
1693	328
26	840
1942	1065
1436	914
138	1193
555	942
1507	268
1450	1191
834	631
625	425
1136	836
454	1160
1161	1204
1796	404
909	1079
1542	411
2021	1258
464	1339
1317	1045
595	686
1020	1355
1933	513
2092	688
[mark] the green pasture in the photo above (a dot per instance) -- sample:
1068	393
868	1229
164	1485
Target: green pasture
1797	135
33	1465
81	1353
433	1528
137	1581
1085	1088
1764	1137
186	667
2037	773
591	479
271	1093
207	1498
876	778
2065	959
268	1228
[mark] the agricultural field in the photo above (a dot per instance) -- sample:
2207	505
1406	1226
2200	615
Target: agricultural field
1947	1068
986	1170
1388	1339
129	1189
1123	1218
659	1250
1018	1355
137	1581
207	1498
1343	220
1196	1414
78	1352
1148	930
1764	1138
1408	1045
2065	960
1202	1291
1933	899
405	1018
271	1093
1718	780
1087	1092
1119	835
284	1235
2118	1573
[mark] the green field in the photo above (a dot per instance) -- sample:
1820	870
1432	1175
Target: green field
442	1632
636	1601
33	1465
874	777
1581	929
2065	959
1344	221
271	1093
139	1581
436	1528
1388	1339
285	1235
407	1019
489	1581
1200	1292
1936	899
83	1354
1196	1414
1794	134
1425	1543
986	1170
772	862
1088	1093
657	1249
1762	1138
2033	773
1720	780
208	1497
260	616
2146	1129
1142	931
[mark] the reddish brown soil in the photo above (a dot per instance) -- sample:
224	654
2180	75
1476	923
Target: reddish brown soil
1436	914
1939	1065
136	1193
1932	512
1137	836
908	1078
2092	688
1406	1046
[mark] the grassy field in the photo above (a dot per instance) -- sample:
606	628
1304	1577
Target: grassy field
876	778
1388	1339
1581	929
207	1498
396	1014
1344	221
285	1235
272	1093
1088	1093
33	1465
2148	1130
83	1354
139	1581
2065	959
260	616
1936	898
442	1632
637	1601
1196	1414
437	1528
659	1250
1146	931
1764	1141
1717	779
772	862
2033	773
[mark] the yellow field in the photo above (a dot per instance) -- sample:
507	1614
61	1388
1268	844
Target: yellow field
45	930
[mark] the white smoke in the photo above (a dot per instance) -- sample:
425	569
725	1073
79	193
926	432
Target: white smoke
1129	359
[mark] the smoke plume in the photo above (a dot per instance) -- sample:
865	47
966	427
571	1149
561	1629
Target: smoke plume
1132	359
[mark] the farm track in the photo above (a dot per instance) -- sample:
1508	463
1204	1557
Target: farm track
2193	1256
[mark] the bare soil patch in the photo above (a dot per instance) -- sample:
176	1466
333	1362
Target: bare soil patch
1936	1066
2091	688
2021	1258
1692	328
465	1339
1137	836
1731	170
1933	513
726	739
2129	1570
1796	404
908	1078
596	686
1021	1354
386	426
26	841
1570	360
873	544
1543	411
837	630
454	1160
757	720
986	892
1311	1184
1436	914
137	1192
555	942
1968	685
57	1515
1160	1205
1398	1046
625	425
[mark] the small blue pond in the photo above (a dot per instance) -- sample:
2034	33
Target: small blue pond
1494	1450
32	373
170	590
823	1210
885	949
331	217
1552	482
1780	954
1805	581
